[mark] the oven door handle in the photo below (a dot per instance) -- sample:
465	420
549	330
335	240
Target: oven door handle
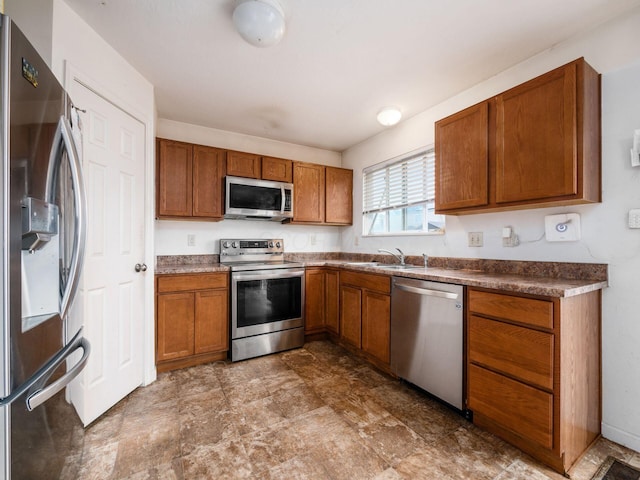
266	274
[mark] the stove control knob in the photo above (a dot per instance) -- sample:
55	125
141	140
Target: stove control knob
270	244
277	244
234	245
225	244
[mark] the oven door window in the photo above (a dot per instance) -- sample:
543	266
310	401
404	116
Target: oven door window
268	300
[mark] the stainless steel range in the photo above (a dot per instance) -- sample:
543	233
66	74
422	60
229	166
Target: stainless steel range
267	297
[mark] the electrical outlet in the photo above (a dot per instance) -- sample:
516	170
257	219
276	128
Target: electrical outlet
475	239
312	239
509	237
191	240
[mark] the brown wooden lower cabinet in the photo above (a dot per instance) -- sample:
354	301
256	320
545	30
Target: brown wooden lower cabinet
191	319
321	301
365	314
533	371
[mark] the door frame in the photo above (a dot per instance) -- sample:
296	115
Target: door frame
73	74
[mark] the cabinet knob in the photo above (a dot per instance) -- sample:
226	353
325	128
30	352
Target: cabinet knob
141	267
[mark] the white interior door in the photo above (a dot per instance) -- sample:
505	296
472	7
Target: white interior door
111	300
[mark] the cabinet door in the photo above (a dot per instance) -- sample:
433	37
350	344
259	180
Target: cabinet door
462	159
174	179
332	312
308	192
536	155
174	327
208	175
240	164
211	321
315	300
350	315
376	323
339	196
277	169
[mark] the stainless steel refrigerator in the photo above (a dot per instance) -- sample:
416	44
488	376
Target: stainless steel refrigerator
43	232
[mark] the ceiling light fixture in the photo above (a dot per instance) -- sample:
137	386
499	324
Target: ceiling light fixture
259	22
389	116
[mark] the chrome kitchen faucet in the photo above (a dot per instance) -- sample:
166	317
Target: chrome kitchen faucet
399	257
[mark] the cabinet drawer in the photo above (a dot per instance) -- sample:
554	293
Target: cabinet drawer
178	283
517	351
538	313
379	283
526	411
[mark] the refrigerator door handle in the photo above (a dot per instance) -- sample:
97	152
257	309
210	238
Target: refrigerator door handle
42	395
39	378
64	137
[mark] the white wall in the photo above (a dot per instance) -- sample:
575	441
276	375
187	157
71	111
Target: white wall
171	236
605	236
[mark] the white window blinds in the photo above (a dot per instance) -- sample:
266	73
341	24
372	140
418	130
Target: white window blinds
401	183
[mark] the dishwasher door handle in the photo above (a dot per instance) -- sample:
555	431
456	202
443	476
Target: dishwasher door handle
427	292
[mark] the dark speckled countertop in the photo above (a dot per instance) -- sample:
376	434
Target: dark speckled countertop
552	279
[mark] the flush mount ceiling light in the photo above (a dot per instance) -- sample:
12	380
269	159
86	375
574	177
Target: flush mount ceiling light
259	22
389	116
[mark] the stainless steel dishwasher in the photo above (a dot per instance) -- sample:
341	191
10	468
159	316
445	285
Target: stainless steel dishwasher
427	336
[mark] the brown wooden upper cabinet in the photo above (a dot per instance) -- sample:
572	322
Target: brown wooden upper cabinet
338	196
537	144
240	164
251	165
277	169
322	195
189	180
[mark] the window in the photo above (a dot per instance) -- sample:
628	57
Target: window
399	195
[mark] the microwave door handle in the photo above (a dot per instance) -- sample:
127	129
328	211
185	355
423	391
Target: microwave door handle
63	136
283	197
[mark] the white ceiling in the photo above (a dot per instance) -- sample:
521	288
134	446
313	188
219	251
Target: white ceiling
339	62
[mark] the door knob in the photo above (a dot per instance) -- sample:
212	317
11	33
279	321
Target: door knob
141	267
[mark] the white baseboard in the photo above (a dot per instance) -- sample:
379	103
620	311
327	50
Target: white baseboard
617	435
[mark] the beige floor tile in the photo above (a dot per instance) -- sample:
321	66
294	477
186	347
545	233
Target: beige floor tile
206	426
225	460
165	471
391	439
346	458
256	415
98	463
297	400
304	467
311	413
520	470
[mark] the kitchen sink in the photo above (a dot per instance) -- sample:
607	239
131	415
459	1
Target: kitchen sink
390	266
396	266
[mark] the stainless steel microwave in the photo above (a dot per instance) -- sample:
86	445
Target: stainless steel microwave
258	199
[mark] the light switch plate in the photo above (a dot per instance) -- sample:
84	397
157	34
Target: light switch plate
562	228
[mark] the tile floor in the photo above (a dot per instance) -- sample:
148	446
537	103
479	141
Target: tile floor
312	413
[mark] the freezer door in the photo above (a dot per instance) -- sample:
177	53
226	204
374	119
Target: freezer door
43	207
